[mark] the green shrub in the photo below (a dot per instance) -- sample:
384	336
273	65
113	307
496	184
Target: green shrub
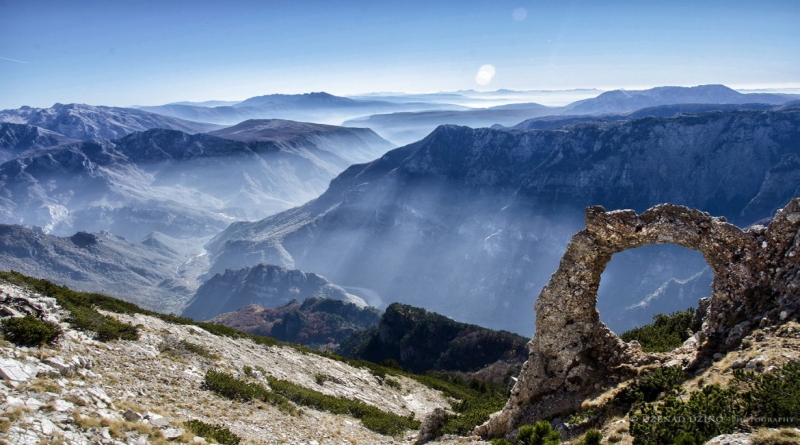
320	378
665	333
542	433
218	433
708	413
392	383
235	389
30	331
198	350
592	437
371	417
752	400
647	387
771	397
247	370
499	442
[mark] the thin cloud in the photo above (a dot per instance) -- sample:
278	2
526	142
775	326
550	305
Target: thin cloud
13	60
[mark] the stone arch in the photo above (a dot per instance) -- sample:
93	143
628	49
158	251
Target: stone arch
572	350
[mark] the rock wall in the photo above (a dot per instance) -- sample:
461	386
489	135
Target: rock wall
573	355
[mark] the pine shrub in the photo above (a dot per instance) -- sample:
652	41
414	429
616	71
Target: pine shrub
30	331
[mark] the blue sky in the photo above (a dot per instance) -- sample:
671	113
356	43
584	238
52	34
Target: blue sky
120	52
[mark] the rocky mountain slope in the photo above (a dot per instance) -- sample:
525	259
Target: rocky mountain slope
351	145
20	139
159	272
154	386
471	222
173	182
264	284
81	121
316	322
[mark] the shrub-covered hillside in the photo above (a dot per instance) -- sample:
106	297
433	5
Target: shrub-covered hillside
420	341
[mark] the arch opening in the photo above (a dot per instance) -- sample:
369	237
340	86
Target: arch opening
641	282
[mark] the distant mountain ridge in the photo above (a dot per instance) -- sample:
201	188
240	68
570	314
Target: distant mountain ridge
404	128
84	122
265	285
618	101
318	107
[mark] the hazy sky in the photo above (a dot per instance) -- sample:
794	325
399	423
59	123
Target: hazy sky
120	52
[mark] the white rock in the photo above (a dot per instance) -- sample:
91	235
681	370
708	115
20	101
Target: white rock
13	370
63	406
172	433
59	364
160	422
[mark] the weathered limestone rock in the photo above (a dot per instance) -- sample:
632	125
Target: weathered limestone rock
573	355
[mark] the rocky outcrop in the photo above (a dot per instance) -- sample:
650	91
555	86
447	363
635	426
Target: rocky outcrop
573	355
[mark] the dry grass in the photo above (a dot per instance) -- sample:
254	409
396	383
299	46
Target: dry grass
784	436
40	385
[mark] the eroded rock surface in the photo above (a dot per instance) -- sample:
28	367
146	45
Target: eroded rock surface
573	355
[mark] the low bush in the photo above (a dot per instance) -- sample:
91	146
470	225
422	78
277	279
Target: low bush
592	437
647	387
751	400
235	389
665	333
218	433
30	331
371	417
542	433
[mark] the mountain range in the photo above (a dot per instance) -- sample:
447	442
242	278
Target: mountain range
158	180
471	222
84	122
404	128
467	222
317	107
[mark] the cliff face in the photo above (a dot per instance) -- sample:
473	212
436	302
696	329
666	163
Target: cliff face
471	222
572	354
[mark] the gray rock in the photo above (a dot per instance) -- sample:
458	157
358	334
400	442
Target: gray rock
756	364
431	427
58	363
731	439
131	416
